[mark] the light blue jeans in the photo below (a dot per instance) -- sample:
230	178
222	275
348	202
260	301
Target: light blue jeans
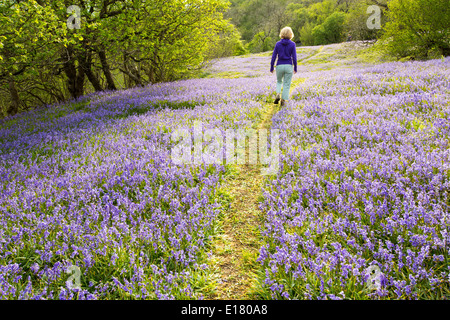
284	77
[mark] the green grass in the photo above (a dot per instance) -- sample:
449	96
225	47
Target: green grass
227	75
157	106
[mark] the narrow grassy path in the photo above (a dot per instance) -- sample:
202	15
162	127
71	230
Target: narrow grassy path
236	249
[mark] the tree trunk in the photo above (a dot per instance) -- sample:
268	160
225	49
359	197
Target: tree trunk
15	99
132	73
87	67
79	82
151	74
106	70
75	78
446	51
131	77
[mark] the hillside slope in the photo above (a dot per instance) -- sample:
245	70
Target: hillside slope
91	185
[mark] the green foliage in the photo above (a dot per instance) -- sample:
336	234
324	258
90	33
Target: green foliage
239	49
30	35
298	17
255	16
418	29
27	28
356	23
120	43
320	11
306	34
331	31
228	44
260	43
258	19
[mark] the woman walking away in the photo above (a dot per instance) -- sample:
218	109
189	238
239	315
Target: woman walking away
286	64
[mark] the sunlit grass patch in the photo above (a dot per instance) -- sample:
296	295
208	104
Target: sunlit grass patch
227	75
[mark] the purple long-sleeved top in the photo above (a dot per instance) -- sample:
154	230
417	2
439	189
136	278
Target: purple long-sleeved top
286	52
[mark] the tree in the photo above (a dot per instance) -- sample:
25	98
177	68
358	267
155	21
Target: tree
298	16
120	43
29	37
255	16
261	42
356	22
170	38
418	28
229	43
331	31
306	35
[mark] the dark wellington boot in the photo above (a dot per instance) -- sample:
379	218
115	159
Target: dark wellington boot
277	99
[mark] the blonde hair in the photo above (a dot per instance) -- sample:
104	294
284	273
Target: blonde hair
286	33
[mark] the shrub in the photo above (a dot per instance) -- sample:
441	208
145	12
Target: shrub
418	29
331	30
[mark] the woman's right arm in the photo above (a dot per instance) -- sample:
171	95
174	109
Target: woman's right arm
274	56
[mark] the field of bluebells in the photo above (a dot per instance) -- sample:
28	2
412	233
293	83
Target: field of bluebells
364	181
91	183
